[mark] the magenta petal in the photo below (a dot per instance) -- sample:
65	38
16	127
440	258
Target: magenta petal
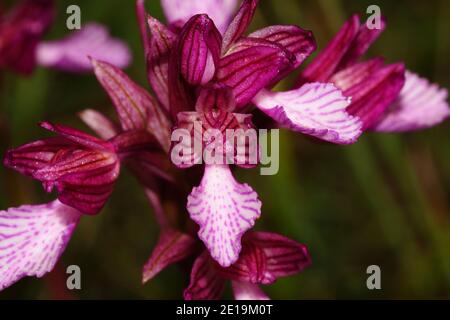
294	39
135	106
205	283
199	46
32	238
316	109
215	97
371	97
71	53
420	104
224	210
180	11
248	291
239	24
172	246
327	61
161	43
21	30
266	257
99	123
251	65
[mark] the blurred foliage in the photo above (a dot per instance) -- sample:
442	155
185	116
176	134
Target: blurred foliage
384	200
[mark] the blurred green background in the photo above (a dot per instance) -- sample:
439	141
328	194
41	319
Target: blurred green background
383	201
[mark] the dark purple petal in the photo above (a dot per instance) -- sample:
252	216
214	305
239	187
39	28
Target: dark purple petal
328	60
215	97
32	238
173	246
294	39
180	11
161	43
71	53
146	166
205	283
130	142
251	65
239	24
20	32
199	49
372	97
266	257
99	123
420	105
135	106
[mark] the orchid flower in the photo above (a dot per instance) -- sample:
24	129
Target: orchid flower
265	257
22	47
385	97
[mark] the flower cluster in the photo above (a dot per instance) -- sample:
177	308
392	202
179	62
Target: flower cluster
203	67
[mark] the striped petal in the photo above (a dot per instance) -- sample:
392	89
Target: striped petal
180	11
266	257
251	65
205	283
199	49
421	104
71	53
172	246
316	109
136	108
99	123
224	210
248	291
32	238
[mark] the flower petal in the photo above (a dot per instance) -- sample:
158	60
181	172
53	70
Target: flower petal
205	283
294	39
224	210
316	109
32	238
172	246
239	24
251	65
71	53
180	11
327	61
216	96
100	123
199	48
161	43
371	97
135	106
421	104
20	32
248	291
266	257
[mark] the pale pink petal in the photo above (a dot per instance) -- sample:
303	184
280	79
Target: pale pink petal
316	109
224	210
99	123
248	291
180	11
32	238
71	53
421	104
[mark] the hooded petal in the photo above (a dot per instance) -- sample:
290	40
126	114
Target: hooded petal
294	39
199	49
239	24
99	123
172	246
135	106
180	11
205	283
20	32
71	53
420	105
371	97
251	65
161	43
266	257
248	291
32	238
316	109
216	96
224	210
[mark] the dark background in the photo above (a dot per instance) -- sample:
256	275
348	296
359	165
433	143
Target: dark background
383	201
